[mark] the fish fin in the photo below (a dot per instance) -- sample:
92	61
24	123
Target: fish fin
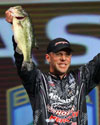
18	50
27	66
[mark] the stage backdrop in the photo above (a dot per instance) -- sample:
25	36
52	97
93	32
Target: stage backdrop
79	22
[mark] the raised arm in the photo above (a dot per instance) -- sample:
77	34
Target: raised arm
90	73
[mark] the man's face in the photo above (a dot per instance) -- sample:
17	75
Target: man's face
59	62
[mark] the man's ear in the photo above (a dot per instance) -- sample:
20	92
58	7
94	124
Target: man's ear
47	56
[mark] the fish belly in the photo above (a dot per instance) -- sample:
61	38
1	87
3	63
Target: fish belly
24	38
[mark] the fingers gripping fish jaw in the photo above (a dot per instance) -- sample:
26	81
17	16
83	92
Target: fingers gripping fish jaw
17	11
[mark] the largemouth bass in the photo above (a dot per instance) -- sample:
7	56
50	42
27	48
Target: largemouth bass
23	34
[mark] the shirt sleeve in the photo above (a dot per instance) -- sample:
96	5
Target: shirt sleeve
28	77
90	73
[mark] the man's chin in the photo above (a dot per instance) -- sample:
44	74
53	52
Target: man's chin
63	71
60	71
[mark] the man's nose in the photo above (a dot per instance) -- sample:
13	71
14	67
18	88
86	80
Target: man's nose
63	57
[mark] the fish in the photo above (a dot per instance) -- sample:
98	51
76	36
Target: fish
23	35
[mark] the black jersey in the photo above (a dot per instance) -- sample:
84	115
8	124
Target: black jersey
58	101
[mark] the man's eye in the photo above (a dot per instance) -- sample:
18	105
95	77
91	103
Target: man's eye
58	54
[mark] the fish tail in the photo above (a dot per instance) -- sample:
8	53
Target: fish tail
27	66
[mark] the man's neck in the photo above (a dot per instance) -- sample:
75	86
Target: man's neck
61	76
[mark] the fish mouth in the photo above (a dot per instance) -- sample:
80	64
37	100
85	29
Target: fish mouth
20	18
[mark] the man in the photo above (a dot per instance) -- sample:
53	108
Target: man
58	97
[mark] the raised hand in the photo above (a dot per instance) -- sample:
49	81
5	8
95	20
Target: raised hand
9	17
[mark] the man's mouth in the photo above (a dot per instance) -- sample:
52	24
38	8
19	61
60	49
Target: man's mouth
62	65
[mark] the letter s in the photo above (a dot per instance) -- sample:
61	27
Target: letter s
56	28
